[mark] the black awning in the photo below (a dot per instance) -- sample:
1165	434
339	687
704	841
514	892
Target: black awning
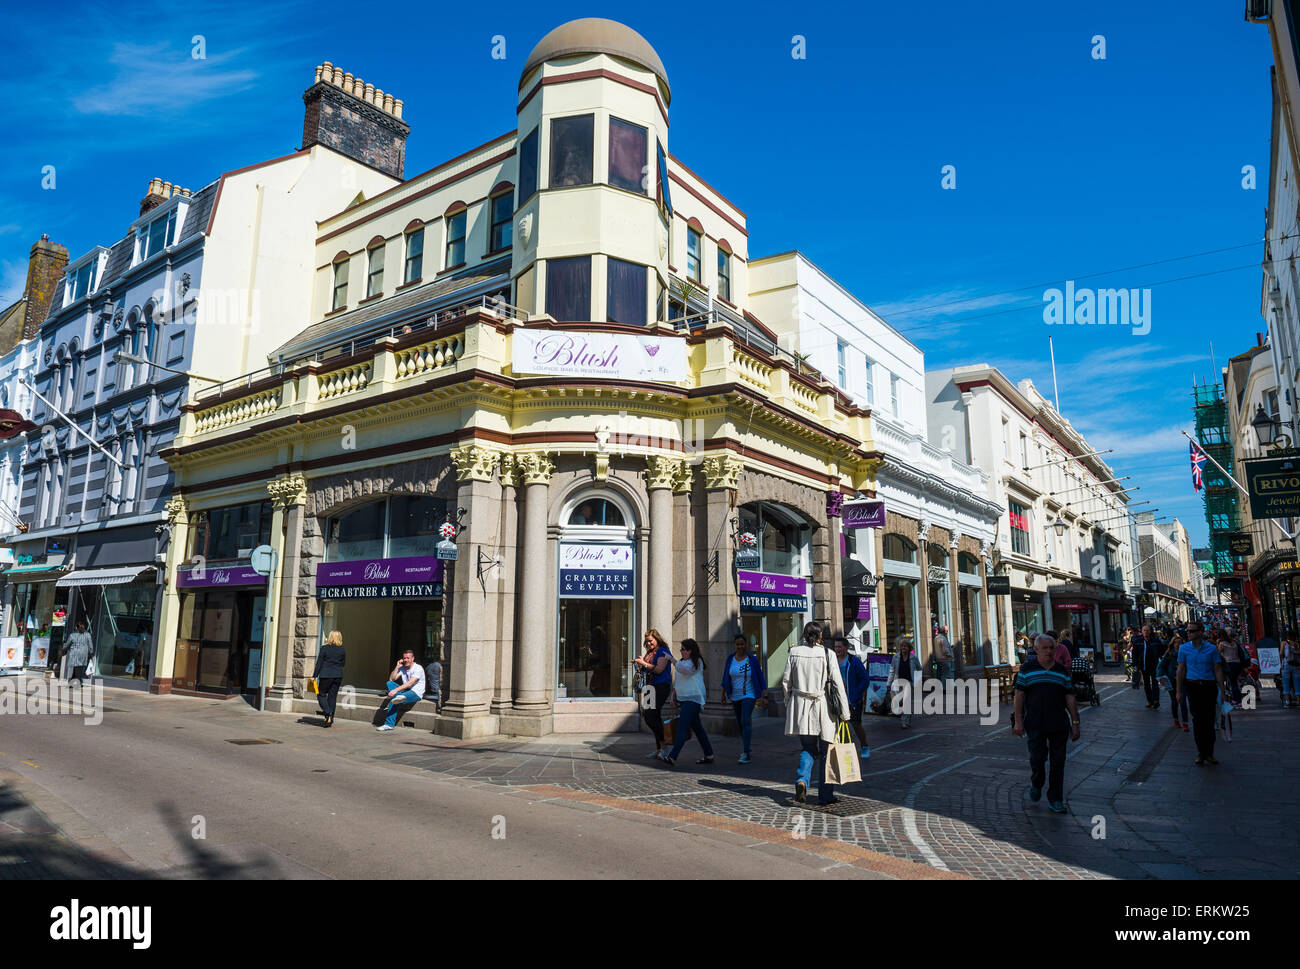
853	579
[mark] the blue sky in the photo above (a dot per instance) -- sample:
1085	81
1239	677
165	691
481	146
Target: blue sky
1066	166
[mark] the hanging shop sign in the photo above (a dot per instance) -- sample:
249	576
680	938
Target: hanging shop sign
772	592
1274	486
1071	606
999	585
618	356
206	576
747	556
864	609
590	570
1241	543
414	577
863	514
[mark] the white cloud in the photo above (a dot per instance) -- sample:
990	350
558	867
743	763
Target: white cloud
945	304
159	80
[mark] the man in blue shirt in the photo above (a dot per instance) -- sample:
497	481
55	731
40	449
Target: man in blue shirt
1200	679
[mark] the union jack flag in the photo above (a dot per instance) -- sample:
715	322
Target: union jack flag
1198	461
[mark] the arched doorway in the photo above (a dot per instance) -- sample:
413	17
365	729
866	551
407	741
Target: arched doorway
775	542
596	589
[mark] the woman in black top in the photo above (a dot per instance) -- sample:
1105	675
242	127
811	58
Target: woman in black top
329	674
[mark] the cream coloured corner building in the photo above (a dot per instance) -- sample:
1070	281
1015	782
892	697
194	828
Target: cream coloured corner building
545	344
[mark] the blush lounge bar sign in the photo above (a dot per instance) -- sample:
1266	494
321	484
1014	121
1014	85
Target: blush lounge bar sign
217	576
863	514
772	592
416	577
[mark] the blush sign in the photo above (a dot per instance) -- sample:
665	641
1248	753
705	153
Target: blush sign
413	577
772	592
214	575
618	356
589	570
863	514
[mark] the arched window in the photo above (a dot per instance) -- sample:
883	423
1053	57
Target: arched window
968	563
402	526
595	511
779	537
938	555
899	549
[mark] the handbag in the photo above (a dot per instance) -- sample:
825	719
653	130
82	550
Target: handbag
842	764
832	695
313	686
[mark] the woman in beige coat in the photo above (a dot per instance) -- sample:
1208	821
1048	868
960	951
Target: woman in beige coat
808	671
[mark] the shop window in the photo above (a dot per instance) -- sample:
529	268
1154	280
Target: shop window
625	293
900	610
780	540
413	525
358	534
571	150
938	555
627	155
528	167
596	511
968	564
899	549
568	288
222	534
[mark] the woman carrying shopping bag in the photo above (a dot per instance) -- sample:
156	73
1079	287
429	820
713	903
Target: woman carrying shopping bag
816	704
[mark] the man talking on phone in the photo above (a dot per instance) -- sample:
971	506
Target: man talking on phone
405	688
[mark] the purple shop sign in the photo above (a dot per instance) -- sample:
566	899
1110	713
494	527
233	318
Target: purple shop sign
772	583
215	575
863	514
864	608
417	568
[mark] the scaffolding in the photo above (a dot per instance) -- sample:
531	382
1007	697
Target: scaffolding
1221	495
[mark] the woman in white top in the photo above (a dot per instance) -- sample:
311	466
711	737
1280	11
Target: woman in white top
810	671
691	694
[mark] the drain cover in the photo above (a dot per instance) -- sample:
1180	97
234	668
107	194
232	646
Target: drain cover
254	740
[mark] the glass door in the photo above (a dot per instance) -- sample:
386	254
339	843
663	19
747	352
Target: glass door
594	657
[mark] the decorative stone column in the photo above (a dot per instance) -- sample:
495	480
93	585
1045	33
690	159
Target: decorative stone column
475	618
954	597
503	690
924	642
178	520
832	607
289	659
534	659
661	475
986	630
718	600
685	569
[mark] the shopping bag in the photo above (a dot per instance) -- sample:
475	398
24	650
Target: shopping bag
670	729
90	669
312	685
842	764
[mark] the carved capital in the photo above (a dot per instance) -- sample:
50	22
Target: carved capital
682	482
662	471
722	471
178	509
954	539
535	466
474	462
288	490
923	529
509	471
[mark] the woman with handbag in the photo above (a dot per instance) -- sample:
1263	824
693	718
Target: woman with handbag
743	685
816	704
328	674
691	693
656	664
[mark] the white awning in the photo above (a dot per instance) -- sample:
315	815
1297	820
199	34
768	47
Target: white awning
119	576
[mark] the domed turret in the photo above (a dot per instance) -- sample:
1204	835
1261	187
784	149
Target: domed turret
595	35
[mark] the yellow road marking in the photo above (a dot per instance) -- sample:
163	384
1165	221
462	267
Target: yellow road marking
30	764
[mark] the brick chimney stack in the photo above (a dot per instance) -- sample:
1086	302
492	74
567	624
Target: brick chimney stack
160	192
45	268
355	119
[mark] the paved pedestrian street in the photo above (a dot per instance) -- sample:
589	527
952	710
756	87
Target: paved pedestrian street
944	798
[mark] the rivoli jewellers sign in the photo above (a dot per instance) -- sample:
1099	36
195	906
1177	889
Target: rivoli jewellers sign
618	356
590	570
1274	485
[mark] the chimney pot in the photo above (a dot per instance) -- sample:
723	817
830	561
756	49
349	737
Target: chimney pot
319	69
388	103
327	71
397	109
347	82
338	76
167	190
370	93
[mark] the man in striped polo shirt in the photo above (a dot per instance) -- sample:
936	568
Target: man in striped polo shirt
1045	711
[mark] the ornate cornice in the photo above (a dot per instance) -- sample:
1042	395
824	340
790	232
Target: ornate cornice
722	471
536	466
661	471
288	490
913	479
474	462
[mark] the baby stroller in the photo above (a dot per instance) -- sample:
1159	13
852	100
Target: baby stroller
1085	688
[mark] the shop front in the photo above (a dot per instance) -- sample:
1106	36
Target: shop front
1075	617
597	583
36	608
1027	613
970	598
117	605
1278	583
902	584
219	644
774	596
